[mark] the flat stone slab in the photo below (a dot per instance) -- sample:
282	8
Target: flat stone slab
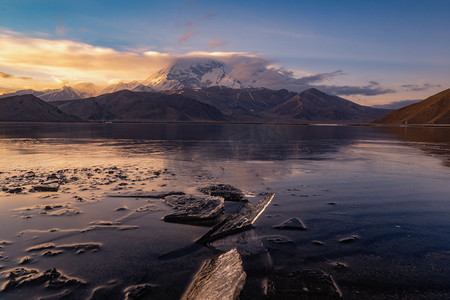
228	192
46	188
303	284
239	221
219	278
194	208
292	224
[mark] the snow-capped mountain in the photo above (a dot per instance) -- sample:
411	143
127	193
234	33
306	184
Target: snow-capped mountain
192	74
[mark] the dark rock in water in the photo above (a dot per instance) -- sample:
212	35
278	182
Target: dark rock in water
122	208
14	190
51	253
318	243
349	239
292	224
239	221
20	277
228	192
193	208
46	188
139	291
304	284
219	278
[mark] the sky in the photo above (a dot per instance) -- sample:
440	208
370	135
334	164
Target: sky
370	52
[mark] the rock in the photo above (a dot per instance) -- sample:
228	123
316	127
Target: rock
292	224
239	221
318	243
349	239
155	195
122	208
228	192
41	247
304	284
25	260
20	277
46	188
14	190
139	291
193	208
219	278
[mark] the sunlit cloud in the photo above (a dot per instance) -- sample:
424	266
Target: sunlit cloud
216	43
54	63
10	76
186	36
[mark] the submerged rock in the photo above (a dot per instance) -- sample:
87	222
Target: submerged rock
39	247
193	208
228	192
304	284
239	221
219	278
349	239
292	224
139	291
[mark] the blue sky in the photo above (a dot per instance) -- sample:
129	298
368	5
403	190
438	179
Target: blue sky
401	48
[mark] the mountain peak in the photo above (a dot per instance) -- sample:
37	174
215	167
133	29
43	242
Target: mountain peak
192	74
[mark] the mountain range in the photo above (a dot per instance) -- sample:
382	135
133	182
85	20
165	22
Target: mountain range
206	90
212	104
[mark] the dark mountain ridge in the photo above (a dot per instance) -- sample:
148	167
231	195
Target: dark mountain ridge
29	108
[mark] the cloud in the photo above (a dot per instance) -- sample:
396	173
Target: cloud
71	62
187	35
420	87
9	76
216	43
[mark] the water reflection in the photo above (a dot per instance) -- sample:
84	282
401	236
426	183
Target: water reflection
434	141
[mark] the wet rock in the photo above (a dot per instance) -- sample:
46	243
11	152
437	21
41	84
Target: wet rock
5	243
81	247
122	208
41	247
194	208
340	266
51	278
219	278
292	224
15	190
349	239
304	284
228	192
278	239
318	243
3	256
25	260
239	221
51	253
153	195
46	188
139	291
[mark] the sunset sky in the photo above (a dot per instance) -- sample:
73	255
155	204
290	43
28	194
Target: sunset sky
370	52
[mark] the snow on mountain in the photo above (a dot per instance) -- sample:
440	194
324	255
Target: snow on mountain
190	73
120	86
66	93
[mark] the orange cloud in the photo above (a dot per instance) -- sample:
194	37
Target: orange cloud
216	43
187	35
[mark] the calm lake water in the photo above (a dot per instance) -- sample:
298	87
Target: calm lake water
385	190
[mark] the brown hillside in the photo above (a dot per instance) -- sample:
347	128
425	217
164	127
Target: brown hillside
433	110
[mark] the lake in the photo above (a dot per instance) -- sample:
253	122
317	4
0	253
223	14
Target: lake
375	202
